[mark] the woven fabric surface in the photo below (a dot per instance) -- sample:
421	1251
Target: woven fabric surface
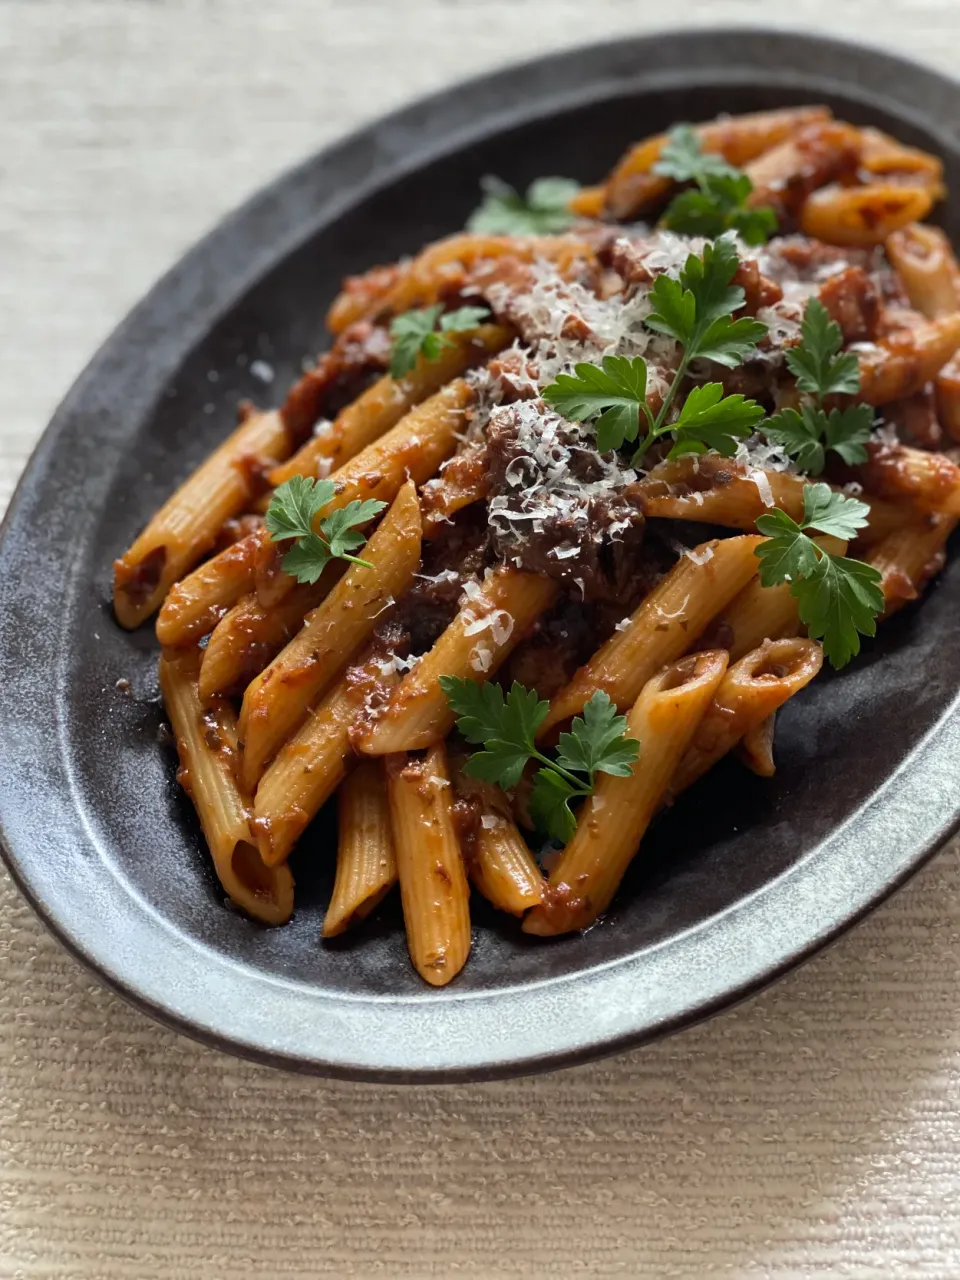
814	1131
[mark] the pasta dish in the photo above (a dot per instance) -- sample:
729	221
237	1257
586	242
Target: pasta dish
576	500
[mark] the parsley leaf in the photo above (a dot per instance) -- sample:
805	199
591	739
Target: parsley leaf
294	507
821	370
800	435
415	333
718	203
815	363
506	727
597	741
838	598
709	420
543	211
696	309
683	158
616	390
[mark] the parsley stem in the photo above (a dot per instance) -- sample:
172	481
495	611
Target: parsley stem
658	428
356	560
580	788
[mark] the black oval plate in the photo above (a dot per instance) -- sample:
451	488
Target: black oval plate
732	889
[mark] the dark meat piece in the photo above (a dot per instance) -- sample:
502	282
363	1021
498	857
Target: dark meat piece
457	553
359	355
853	300
559	513
759	291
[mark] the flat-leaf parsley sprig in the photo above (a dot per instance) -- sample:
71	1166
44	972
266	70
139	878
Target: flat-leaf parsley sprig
718	203
426	332
822	369
506	728
291	513
545	210
839	598
696	309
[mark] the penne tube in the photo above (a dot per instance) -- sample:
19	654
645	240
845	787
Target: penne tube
366	860
186	526
382	406
277	701
589	202
749	693
927	266
362	296
433	883
909	557
633	187
665	625
712	490
413	449
612	821
195	605
948	398
249	637
487	629
313	763
756	748
499	863
884	157
206	744
786	175
903	363
927	482
760	613
863	216
464	480
444	267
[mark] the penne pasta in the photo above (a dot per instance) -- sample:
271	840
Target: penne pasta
612	821
433	883
633	187
488	627
716	491
910	557
442	267
884	157
927	266
206	744
382	406
948	398
749	693
499	863
313	763
195	605
863	216
925	481
186	526
366	860
277	701
671	618
903	363
249	637
756	748
759	613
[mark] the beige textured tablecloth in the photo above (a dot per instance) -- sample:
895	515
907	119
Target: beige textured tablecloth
815	1131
